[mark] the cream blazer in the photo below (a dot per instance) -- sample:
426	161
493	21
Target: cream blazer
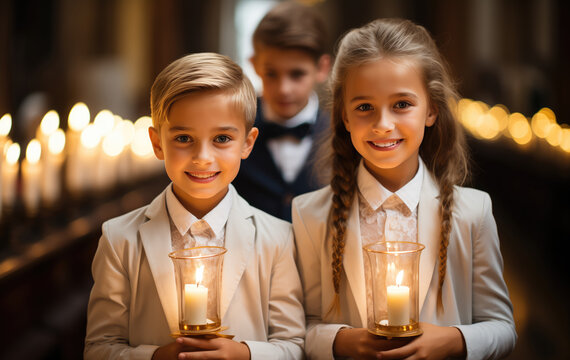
133	305
475	296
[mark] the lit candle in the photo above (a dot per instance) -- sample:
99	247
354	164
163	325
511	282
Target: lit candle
51	184
5	126
398	302
89	152
77	121
49	124
196	301
10	168
31	177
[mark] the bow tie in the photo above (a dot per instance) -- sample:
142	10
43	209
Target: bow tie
271	130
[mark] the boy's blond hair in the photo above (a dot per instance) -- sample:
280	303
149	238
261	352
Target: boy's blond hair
290	25
201	72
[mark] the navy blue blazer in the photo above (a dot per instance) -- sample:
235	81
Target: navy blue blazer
260	181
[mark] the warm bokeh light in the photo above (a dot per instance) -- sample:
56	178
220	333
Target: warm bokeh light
90	136
33	151
554	135
50	123
128	130
12	151
105	122
565	140
501	115
5	124
519	128
78	117
56	142
143	122
540	125
113	143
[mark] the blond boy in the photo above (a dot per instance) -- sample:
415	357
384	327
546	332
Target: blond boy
203	108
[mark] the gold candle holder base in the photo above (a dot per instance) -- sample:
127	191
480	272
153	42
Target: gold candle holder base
398	331
209	333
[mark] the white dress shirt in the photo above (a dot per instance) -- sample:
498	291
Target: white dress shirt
289	153
189	231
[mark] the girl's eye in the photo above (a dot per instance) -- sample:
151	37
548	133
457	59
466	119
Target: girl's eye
183	139
222	139
364	107
402	105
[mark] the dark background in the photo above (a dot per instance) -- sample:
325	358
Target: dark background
107	52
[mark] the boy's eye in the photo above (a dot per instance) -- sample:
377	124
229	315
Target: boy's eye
364	107
402	105
297	74
183	138
222	139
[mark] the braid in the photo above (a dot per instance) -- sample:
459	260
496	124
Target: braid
345	160
446	196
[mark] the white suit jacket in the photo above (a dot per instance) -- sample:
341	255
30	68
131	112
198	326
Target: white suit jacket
133	305
475	296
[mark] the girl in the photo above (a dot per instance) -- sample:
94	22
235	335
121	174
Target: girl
398	156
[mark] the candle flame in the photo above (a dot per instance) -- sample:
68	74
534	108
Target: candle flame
33	151
90	137
50	122
5	124
105	122
12	151
78	117
399	277
199	275
56	142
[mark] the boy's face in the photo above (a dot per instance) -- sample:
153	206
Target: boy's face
288	76
202	144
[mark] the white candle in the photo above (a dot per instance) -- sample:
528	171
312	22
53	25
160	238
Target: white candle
51	184
398	302
77	121
5	126
196	301
31	177
10	168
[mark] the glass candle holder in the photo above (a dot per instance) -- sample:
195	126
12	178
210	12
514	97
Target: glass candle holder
394	274
198	273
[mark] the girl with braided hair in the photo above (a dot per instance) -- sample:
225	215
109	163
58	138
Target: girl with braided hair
398	158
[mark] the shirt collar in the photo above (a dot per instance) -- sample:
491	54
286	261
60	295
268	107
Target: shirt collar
183	218
307	115
375	193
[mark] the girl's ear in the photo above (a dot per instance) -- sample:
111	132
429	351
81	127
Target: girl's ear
345	121
156	145
432	115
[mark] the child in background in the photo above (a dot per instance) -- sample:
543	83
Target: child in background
290	57
398	156
203	108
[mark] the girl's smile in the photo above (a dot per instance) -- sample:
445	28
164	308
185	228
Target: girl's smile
386	112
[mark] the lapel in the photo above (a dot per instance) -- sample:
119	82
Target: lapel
240	238
429	232
353	260
156	240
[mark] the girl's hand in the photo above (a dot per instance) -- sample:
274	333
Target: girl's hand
217	348
360	344
437	342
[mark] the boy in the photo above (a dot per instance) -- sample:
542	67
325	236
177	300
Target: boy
203	108
290	57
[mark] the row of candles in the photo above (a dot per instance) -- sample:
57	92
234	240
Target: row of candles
93	155
489	123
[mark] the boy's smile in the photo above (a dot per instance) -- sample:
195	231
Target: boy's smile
202	144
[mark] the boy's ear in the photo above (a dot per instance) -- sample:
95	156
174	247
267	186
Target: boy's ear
432	115
323	68
249	142
253	61
155	140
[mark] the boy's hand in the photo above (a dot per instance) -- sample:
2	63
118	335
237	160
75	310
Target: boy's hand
360	344
217	348
171	351
437	342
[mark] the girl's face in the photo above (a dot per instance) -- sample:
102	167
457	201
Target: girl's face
386	111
